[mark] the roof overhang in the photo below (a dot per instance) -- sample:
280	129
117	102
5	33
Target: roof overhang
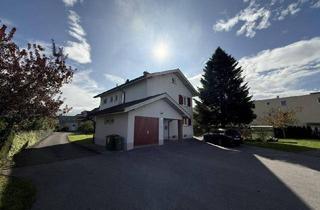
178	72
165	97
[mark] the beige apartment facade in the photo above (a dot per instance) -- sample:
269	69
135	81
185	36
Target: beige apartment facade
306	108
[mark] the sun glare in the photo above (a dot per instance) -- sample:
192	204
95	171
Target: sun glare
160	51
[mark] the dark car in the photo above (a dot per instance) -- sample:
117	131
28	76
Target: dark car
224	137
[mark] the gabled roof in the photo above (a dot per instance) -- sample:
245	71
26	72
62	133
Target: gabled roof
150	75
138	103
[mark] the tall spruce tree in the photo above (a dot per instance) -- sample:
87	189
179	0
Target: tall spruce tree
224	96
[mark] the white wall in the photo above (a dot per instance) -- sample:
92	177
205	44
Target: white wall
108	103
136	91
72	126
157	109
161	84
119	126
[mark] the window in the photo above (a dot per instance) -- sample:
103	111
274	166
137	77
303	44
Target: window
186	121
184	100
116	98
108	121
173	80
180	99
111	99
189	101
319	100
268	103
105	100
283	103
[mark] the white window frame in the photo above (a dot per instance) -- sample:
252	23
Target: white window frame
185	100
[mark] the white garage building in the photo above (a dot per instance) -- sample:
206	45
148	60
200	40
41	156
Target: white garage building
146	110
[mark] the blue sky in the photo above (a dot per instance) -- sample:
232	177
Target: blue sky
277	42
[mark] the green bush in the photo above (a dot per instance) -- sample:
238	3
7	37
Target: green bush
26	139
86	127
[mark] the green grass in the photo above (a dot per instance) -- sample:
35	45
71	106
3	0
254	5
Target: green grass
16	193
289	145
85	138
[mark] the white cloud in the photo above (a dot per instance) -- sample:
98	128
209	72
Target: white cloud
316	4
79	93
290	10
277	71
258	16
70	3
252	18
115	79
77	50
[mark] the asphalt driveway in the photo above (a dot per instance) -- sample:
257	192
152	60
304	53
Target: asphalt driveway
188	175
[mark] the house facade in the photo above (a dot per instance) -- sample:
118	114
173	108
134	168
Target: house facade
68	123
305	107
146	110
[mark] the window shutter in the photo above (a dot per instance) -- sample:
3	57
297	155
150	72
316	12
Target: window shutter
180	99
189	101
189	121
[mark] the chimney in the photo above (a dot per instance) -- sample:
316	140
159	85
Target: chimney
127	80
145	73
278	96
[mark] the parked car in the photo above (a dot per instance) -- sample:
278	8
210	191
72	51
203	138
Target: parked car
224	137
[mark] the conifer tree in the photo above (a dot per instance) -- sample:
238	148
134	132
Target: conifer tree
224	96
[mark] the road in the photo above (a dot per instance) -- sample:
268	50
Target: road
188	175
54	148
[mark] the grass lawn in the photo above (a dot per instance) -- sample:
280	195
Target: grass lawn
80	138
289	145
16	193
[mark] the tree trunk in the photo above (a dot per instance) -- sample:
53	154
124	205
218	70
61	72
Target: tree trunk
283	133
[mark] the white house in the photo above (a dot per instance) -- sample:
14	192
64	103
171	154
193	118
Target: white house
146	110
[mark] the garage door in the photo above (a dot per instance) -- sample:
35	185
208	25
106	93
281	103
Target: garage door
146	130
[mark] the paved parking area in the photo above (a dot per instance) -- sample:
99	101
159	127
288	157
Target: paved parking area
188	175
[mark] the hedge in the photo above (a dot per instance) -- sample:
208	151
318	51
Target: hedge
26	139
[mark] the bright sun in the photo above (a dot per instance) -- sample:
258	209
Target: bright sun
160	51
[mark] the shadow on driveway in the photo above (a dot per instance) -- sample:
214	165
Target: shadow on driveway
188	175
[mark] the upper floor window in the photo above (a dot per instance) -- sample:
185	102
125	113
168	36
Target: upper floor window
268	103
173	80
116	98
319	100
105	100
184	100
111	99
283	103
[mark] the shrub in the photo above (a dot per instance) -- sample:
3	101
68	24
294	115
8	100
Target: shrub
86	127
23	140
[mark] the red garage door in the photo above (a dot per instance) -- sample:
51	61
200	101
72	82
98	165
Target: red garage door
146	131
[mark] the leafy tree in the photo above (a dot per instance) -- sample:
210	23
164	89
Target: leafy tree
86	127
224	97
30	83
280	119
